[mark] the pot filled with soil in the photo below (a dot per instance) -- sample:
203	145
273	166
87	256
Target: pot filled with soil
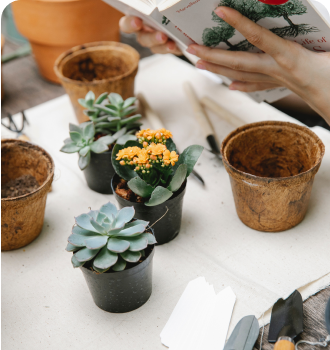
26	176
151	177
53	27
98	67
272	166
111	122
115	253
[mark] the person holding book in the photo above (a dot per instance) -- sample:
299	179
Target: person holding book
283	63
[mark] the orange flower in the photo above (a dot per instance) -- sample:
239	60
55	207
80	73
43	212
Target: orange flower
170	157
147	134
156	149
143	157
128	153
165	133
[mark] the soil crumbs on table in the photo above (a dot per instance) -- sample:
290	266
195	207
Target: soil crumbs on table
18	187
125	192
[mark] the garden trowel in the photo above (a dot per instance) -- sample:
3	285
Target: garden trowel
286	322
244	335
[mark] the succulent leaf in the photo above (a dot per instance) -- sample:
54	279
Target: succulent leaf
131	119
73	127
99	147
88	131
84	221
105	259
100	217
129	102
137	243
117	245
132	257
77	240
178	178
70	148
86	254
99	228
75	262
101	98
82	102
150	237
96	242
137	222
119	265
140	187
115	99
159	195
80	231
71	248
123	216
131	231
93	214
89	98
109	209
107	140
83	151
75	136
84	161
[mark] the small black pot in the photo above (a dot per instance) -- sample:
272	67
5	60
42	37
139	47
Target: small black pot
99	172
168	227
122	291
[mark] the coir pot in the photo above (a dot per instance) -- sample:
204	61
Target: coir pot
122	291
99	67
99	172
22	217
168	227
272	166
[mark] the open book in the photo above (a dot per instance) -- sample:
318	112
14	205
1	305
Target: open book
194	21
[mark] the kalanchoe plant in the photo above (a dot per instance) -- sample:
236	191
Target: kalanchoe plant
82	141
152	166
109	237
110	113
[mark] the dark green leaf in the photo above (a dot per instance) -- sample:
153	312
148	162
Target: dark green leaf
189	157
170	145
159	195
178	178
140	187
131	256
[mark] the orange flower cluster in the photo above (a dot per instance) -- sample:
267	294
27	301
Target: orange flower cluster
151	153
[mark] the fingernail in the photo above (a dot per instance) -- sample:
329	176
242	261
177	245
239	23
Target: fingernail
171	46
200	66
191	50
232	87
160	37
134	24
220	13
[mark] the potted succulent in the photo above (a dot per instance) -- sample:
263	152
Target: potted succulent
109	124
151	176
114	252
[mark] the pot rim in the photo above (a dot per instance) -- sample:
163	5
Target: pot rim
183	189
49	177
245	127
113	45
130	272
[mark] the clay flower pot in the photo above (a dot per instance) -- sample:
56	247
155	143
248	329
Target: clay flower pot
54	26
22	217
272	167
98	67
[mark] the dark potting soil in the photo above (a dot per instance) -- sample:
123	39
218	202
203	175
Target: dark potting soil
18	187
147	252
125	192
99	135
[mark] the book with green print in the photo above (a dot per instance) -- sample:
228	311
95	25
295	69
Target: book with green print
194	21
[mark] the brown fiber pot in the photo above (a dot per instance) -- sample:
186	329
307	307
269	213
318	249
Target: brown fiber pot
54	26
272	167
22	217
114	64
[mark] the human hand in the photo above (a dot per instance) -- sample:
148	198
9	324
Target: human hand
157	41
283	63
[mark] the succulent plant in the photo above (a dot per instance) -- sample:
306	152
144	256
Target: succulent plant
109	237
109	113
152	166
81	140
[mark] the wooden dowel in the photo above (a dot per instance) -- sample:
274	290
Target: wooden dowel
221	112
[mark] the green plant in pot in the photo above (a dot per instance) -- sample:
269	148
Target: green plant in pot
114	252
111	122
151	176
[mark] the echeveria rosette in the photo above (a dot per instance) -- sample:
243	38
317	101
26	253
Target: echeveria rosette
109	113
158	183
109	237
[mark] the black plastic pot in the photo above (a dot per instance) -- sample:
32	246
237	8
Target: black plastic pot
168	227
99	172
122	291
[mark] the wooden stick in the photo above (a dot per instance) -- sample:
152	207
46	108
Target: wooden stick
221	112
152	117
199	111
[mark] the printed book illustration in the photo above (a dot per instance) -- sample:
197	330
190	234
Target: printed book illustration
194	21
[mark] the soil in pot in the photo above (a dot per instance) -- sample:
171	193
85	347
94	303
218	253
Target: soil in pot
170	211
18	187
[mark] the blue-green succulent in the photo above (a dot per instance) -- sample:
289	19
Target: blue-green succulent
109	238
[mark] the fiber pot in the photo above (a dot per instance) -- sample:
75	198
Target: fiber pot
100	67
168	227
99	172
54	26
22	217
272	166
122	291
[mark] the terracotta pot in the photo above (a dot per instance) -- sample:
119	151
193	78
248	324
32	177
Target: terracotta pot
22	217
113	64
272	167
54	26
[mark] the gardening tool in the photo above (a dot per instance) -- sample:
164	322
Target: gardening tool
203	120
286	322
12	126
244	335
156	123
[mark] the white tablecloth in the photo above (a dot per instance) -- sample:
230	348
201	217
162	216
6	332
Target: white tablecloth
46	303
